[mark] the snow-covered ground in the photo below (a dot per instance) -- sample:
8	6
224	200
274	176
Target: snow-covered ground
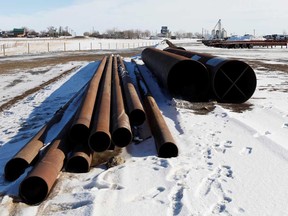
232	158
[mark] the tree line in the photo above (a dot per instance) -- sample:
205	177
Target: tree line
112	33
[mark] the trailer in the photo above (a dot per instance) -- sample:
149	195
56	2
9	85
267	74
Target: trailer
246	43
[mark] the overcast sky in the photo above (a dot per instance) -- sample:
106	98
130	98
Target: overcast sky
238	16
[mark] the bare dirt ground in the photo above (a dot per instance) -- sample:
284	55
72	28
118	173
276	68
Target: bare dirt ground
270	67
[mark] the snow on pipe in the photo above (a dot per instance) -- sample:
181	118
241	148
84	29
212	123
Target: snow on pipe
120	125
232	81
39	182
181	76
134	106
80	128
100	137
80	159
165	143
29	153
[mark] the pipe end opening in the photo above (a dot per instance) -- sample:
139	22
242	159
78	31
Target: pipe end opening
78	164
33	190
122	137
79	133
15	168
99	141
190	80
137	117
168	150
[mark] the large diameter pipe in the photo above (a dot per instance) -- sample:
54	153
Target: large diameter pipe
39	182
100	137
120	124
165	143
134	106
232	81
80	128
30	151
181	76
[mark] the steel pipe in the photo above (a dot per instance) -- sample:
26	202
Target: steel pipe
164	141
79	131
120	124
181	76
29	153
80	159
170	44
16	166
232	81
134	106
100	137
37	185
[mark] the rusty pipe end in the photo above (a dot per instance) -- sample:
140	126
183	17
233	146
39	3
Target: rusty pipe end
79	133
33	190
99	141
137	117
168	150
78	164
122	137
15	168
234	82
189	79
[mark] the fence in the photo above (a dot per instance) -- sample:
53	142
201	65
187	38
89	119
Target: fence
26	47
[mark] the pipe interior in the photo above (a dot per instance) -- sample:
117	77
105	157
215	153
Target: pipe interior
137	117
78	164
79	133
15	168
189	79
122	137
168	150
33	190
99	141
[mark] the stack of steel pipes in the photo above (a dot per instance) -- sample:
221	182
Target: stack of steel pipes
214	78
106	109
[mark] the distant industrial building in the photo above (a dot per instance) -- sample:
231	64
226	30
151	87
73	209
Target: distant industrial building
16	32
164	32
218	32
